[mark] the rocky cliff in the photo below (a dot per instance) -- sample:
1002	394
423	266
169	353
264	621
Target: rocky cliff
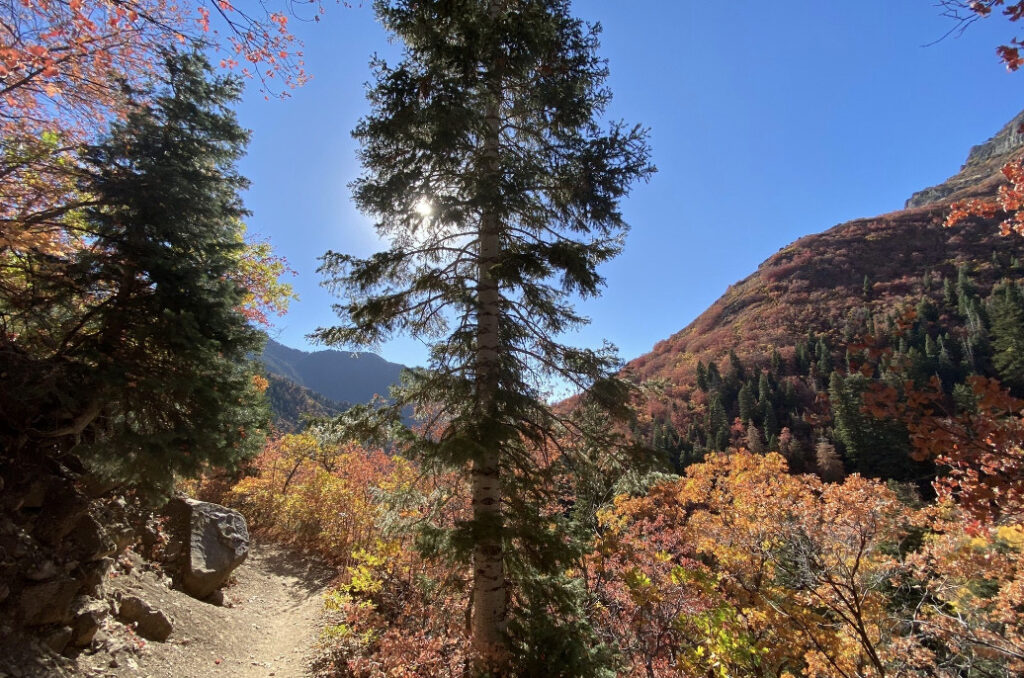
981	171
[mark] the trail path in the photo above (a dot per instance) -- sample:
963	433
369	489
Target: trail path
268	627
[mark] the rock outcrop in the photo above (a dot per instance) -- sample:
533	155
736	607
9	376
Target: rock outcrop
53	548
981	170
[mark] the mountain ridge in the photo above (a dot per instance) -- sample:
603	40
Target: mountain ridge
339	376
980	173
812	284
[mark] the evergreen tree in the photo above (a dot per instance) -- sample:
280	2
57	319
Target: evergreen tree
702	376
964	290
764	391
948	293
789	393
802	357
487	169
824	357
1007	331
736	371
776	363
977	340
144	365
875	448
745	400
714	376
717	424
771	423
846	414
926	310
945	360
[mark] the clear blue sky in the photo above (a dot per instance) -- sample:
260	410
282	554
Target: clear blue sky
769	121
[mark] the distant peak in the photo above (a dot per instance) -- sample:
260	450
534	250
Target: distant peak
982	169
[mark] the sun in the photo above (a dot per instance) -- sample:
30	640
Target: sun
424	208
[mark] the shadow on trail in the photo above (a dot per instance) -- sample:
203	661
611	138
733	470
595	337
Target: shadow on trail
312	574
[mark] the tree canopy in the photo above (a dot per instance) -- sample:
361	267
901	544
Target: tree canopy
132	348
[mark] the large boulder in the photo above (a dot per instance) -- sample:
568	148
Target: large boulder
213	541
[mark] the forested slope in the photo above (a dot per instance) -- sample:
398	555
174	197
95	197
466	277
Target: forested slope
924	298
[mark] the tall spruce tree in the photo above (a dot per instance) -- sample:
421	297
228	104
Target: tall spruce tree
1007	313
489	171
137	357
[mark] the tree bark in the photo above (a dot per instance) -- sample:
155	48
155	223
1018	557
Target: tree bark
489	595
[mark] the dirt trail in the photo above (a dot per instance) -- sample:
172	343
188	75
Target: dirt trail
268	627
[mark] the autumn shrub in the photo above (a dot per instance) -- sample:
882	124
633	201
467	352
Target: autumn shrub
393	612
318	497
741	569
397	612
968	581
738	568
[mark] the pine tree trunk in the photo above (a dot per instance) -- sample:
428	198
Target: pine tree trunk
489	597
488	566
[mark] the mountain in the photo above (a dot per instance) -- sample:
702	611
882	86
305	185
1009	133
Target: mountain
289	402
813	304
338	376
981	173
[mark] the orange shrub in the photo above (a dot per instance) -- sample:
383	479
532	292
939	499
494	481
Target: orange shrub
318	498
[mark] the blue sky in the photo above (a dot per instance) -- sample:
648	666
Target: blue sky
769	121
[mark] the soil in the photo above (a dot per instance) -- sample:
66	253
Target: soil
268	625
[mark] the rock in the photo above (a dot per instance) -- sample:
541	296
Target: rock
216	541
63	508
149	534
94	574
216	598
983	161
96	486
88	618
123	537
58	638
150	623
90	541
49	602
45	570
101	638
5	591
32	496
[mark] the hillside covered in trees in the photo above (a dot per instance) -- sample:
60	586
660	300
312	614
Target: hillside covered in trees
788	350
344	377
321	384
